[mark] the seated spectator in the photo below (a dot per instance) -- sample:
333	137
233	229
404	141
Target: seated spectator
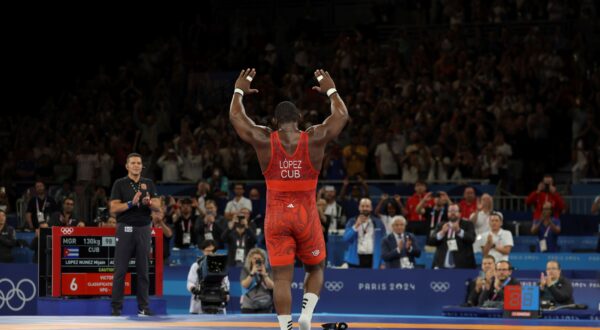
218	183
208	247
432	215
468	205
184	220
4	202
65	218
481	218
410	212
492	294
547	230
202	195
392	208
257	283
8	239
546	191
486	275
497	242
555	289
239	240
399	249
363	235
454	240
238	202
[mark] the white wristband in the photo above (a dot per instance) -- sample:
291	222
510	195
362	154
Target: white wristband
331	91
239	91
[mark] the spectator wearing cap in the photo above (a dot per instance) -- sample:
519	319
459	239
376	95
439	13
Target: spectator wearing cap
497	242
335	212
238	202
170	162
547	229
399	249
184	224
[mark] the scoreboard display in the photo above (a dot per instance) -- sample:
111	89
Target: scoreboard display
83	262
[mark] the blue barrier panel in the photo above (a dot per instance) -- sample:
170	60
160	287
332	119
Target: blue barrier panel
18	289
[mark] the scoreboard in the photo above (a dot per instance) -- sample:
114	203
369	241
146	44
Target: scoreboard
82	262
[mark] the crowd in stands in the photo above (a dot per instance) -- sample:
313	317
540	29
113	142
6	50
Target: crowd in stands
469	101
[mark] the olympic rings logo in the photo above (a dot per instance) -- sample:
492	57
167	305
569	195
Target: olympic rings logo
7	297
334	286
439	286
67	230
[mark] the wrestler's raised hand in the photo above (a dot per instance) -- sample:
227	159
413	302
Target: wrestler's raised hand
244	79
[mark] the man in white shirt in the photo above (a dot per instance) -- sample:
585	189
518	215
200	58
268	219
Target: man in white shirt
497	242
238	202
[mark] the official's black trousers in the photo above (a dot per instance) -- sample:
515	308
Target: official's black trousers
132	241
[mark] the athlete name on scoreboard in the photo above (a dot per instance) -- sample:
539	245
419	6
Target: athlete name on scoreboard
290	169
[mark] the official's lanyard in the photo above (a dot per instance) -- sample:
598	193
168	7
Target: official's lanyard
547	231
439	219
365	228
37	205
501	287
241	242
189	225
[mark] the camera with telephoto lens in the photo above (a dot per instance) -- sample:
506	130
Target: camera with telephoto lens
212	269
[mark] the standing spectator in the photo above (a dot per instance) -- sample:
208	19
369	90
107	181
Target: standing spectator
40	207
87	162
468	205
546	192
65	217
454	240
392	208
239	240
497	242
184	221
387	155
158	221
333	209
192	163
104	164
433	215
355	157
399	249
363	235
411	205
547	229
238	202
4	202
325	219
492	294
481	218
357	191
208	230
555	288
219	184
170	162
202	195
486	275
8	239
257	283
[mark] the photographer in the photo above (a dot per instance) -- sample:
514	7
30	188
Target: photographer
184	221
546	192
239	238
208	248
257	281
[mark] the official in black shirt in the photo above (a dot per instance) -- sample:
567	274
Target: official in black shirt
132	199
